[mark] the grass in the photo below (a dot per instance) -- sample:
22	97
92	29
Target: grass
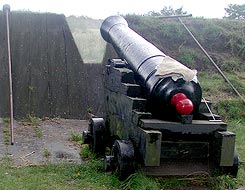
76	138
46	153
38	177
92	176
38	131
6	131
222	182
61	176
86	153
35	123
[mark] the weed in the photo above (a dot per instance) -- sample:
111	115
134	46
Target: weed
46	153
6	119
35	123
76	138
170	182
222	182
233	64
30	118
89	110
6	131
86	153
139	181
231	110
38	131
216	89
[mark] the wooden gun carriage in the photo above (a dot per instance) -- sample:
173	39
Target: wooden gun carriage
156	119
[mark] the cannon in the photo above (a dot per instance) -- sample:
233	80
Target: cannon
155	115
153	68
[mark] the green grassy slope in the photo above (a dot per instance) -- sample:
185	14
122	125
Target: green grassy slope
86	33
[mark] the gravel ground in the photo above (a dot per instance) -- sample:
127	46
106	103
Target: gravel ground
45	142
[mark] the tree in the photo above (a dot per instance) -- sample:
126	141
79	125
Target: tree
235	11
168	11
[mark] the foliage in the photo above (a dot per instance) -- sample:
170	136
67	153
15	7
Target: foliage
76	138
212	84
33	120
6	131
169	182
234	64
168	11
222	182
139	181
232	110
235	11
38	131
86	153
46	153
193	59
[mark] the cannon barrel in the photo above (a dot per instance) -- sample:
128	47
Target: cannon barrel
168	95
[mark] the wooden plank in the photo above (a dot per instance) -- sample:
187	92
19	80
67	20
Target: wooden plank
76	76
4	86
38	84
123	105
197	126
95	95
57	67
20	49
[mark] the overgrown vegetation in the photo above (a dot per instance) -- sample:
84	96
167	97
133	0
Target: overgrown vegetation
92	175
76	138
87	154
6	131
46	153
235	11
34	122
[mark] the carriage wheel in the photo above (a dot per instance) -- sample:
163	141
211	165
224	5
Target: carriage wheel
97	130
122	158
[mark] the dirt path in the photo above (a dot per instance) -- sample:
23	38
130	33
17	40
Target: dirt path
45	142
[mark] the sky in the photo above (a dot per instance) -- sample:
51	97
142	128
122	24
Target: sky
100	9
